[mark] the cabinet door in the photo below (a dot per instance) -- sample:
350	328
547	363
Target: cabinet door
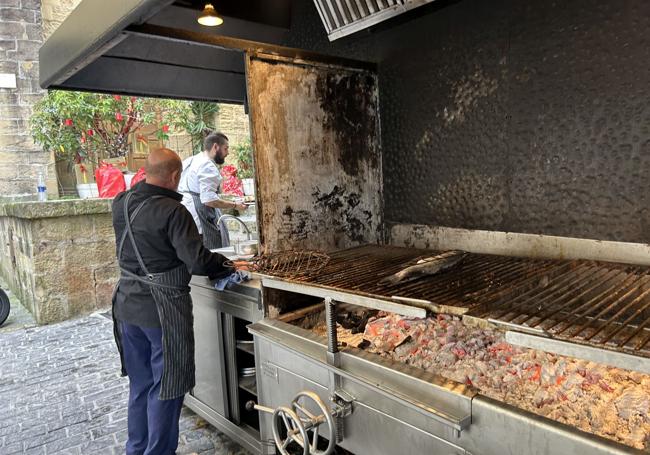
210	386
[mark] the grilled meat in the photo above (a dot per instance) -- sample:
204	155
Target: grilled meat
425	267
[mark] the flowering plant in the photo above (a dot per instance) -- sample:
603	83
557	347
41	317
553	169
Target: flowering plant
86	126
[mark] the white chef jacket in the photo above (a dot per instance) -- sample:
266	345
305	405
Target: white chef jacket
200	175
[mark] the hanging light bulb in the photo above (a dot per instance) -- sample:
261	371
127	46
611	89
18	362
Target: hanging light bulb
209	16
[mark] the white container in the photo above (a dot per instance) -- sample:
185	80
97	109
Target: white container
249	187
87	190
127	180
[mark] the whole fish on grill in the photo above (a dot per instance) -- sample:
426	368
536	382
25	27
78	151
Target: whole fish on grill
426	267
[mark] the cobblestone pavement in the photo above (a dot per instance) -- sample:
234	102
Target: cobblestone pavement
61	393
19	317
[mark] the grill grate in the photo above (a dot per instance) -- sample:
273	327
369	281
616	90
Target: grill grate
596	303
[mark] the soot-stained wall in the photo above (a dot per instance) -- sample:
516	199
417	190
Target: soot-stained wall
514	116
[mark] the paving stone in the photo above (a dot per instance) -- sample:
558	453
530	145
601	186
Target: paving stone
62	394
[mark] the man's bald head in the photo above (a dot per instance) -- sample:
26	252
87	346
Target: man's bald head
164	168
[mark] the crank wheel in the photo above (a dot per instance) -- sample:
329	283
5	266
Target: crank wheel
295	430
301	405
4	307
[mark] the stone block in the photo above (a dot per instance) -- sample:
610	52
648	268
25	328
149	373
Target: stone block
8	67
28	85
80	303
7	45
33	32
27	50
7	171
17	15
17	141
54	309
31	4
9	3
15	187
9	125
28	70
14	111
29	99
12	30
8	98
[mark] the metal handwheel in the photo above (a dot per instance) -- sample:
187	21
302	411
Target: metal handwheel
296	431
302	426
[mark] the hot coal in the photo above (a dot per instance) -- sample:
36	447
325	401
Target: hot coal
596	398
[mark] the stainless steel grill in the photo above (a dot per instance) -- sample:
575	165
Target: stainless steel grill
601	304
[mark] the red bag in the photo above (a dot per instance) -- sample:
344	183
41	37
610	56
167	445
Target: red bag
138	177
110	180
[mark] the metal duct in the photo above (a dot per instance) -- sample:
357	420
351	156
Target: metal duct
344	17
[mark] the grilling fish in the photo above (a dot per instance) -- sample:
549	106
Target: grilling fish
425	267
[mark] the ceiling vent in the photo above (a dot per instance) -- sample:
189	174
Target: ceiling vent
344	17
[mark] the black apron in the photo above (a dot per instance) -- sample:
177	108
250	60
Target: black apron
213	236
171	292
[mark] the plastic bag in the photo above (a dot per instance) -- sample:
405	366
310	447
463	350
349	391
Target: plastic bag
231	184
110	180
138	177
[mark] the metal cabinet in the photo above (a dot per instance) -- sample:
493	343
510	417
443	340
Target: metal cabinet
219	396
211	386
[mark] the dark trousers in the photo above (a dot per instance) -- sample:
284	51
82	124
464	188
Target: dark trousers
152	423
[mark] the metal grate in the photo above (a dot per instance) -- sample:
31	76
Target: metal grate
479	278
343	17
291	264
596	303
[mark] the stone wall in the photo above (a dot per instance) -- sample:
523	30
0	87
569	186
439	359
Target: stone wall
233	122
59	256
54	12
20	159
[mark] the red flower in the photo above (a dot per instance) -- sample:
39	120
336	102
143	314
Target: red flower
68	122
118	117
90	132
133	98
165	128
83	140
117	97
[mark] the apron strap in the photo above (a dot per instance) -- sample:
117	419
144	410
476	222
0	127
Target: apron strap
126	232
129	231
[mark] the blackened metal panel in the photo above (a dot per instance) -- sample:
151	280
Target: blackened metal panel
315	133
510	115
522	116
93	27
110	74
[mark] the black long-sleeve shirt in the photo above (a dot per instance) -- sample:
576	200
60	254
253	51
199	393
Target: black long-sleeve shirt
166	237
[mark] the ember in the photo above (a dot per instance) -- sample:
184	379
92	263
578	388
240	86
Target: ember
606	401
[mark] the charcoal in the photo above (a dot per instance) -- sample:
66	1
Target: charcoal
605	401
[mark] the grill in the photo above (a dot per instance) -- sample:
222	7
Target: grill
600	304
582	302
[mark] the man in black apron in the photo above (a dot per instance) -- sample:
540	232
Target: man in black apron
158	249
201	184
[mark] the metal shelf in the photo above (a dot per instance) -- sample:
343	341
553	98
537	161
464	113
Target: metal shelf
249	384
246	347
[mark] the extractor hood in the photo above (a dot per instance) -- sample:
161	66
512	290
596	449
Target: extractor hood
344	17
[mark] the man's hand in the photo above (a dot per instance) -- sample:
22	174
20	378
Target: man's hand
240	207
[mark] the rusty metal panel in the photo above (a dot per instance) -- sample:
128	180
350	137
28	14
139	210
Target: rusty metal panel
316	139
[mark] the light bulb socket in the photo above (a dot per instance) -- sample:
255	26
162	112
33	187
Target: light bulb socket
209	16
